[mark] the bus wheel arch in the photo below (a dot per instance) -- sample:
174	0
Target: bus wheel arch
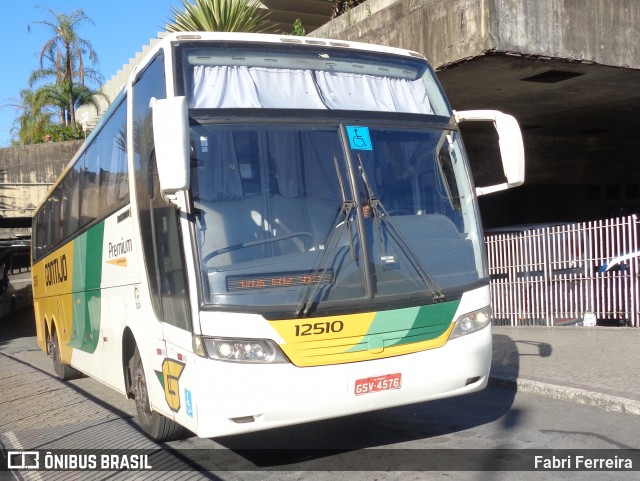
155	425
63	371
129	347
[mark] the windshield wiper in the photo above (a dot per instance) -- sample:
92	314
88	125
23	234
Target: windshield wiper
343	216
380	214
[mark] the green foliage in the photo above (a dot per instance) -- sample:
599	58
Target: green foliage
58	87
38	109
33	122
298	29
64	55
219	16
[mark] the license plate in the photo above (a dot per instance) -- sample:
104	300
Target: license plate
378	383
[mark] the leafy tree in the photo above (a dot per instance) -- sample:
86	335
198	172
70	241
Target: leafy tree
59	91
219	16
65	52
33	121
56	97
298	28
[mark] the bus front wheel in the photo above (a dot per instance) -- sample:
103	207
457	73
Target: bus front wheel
154	424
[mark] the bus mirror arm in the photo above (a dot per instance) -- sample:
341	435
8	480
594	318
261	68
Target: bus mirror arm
171	139
510	142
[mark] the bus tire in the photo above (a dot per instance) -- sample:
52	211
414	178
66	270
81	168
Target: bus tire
64	371
154	424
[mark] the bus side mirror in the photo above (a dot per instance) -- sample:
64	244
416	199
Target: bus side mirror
171	139
511	146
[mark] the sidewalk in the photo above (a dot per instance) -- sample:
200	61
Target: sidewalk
596	366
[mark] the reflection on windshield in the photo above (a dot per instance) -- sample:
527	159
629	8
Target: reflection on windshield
308	218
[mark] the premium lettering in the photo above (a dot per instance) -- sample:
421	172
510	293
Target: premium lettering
120	248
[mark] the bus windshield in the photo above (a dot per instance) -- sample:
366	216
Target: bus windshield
306	219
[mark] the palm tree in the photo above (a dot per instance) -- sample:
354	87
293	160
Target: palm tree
219	16
60	89
33	122
66	51
84	96
56	96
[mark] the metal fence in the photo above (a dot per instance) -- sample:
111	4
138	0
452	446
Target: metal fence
581	274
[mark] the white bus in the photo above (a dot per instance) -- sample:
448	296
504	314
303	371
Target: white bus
267	230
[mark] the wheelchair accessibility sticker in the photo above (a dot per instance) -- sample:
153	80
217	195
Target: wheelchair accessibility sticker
359	138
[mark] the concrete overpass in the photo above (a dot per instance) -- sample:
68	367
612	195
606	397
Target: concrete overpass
568	70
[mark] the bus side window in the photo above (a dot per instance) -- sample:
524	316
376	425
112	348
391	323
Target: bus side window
90	207
42	230
36	236
56	216
71	202
114	183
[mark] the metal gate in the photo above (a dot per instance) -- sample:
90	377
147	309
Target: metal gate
567	274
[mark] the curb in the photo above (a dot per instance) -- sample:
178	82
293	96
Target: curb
564	393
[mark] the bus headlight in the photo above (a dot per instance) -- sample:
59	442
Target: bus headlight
472	322
257	351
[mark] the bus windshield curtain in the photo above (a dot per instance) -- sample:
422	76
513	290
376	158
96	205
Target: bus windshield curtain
258	87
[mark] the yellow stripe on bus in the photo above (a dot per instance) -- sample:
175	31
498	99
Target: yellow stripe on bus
52	287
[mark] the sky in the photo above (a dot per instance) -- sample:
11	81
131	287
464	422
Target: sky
120	28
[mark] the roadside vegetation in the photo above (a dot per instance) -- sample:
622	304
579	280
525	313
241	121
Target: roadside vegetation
62	83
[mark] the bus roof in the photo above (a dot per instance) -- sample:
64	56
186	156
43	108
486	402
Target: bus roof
282	39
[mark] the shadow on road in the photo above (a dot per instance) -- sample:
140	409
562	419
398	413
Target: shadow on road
19	324
348	437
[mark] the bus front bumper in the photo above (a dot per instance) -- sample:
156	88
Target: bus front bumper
239	398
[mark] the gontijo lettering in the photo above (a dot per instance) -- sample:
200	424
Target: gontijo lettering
55	271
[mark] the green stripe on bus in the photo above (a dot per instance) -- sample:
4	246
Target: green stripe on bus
87	277
409	325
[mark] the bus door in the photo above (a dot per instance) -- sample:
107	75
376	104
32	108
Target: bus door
179	363
172	357
167	338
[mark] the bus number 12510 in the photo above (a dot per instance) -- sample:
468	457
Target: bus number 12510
318	328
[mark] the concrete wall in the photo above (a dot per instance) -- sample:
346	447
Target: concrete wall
443	31
27	172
